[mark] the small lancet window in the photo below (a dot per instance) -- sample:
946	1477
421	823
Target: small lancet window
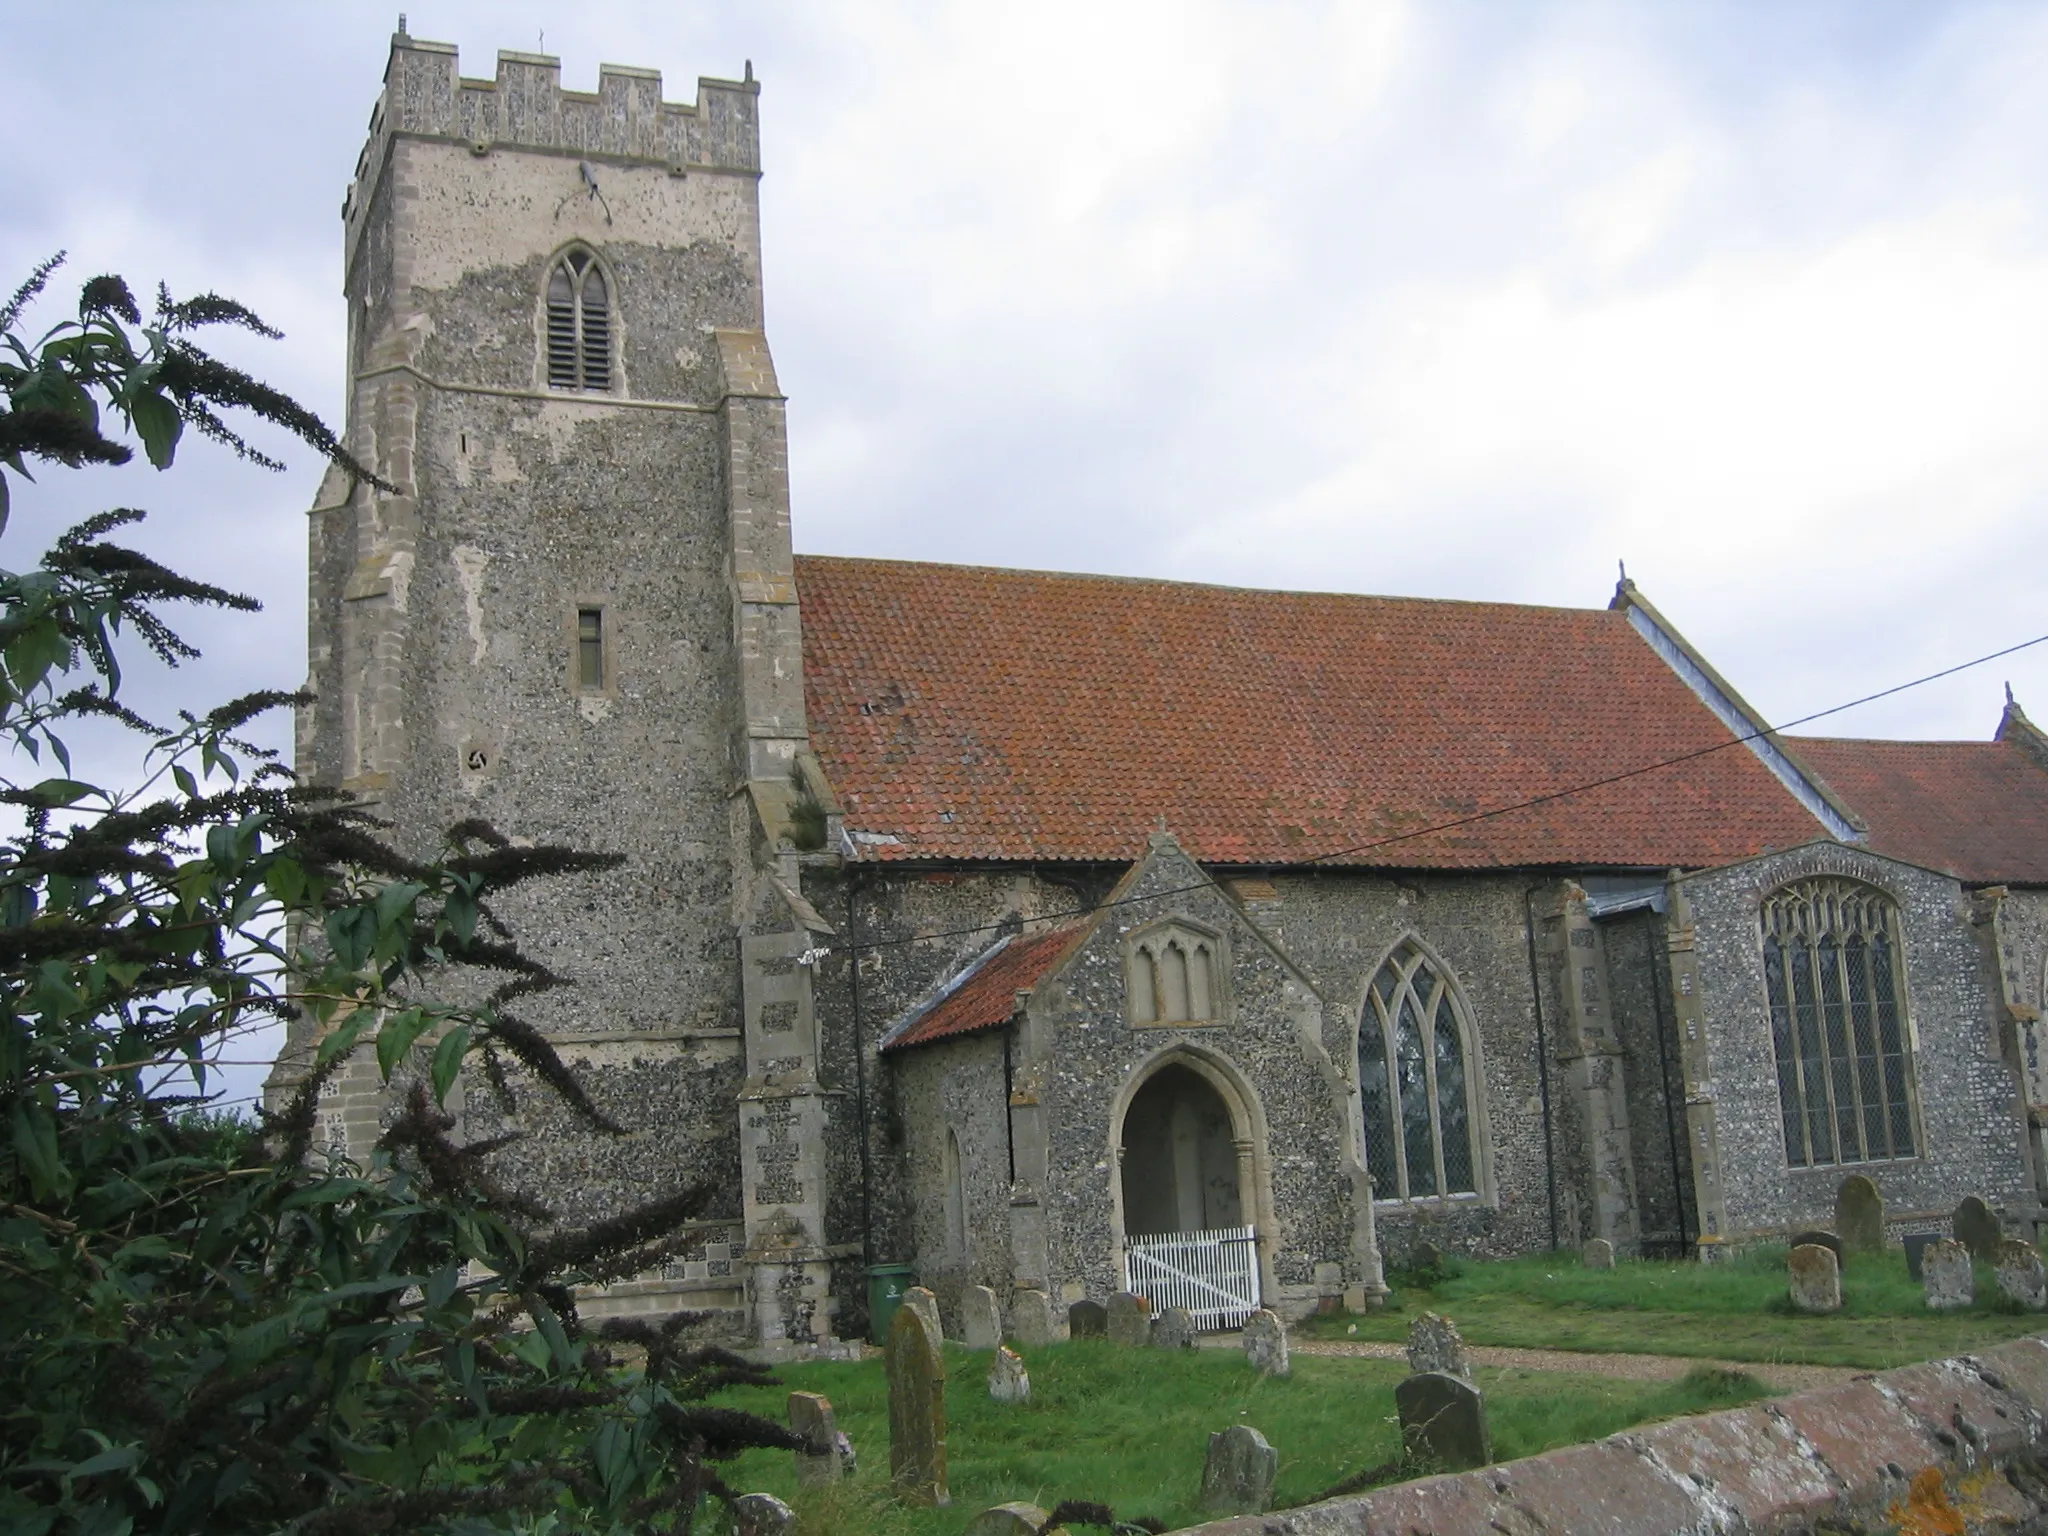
590	649
579	325
1172	977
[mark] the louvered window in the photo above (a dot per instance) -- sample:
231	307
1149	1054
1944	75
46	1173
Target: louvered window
1837	994
579	325
1415	1083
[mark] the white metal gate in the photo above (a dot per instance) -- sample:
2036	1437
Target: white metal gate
1215	1275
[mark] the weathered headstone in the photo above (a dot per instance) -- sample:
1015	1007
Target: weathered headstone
1443	1421
1916	1245
1265	1343
1820	1237
818	1464
1087	1320
1948	1276
2020	1275
1129	1319
1008	1381
761	1514
927	1307
1816	1279
1014	1519
1598	1253
1977	1228
1238	1477
1174	1329
1036	1320
981	1320
1859	1216
917	1409
1425	1258
1434	1344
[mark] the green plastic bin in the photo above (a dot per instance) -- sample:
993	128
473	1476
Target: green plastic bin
886	1285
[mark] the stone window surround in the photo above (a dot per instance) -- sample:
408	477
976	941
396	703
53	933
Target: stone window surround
615	385
573	644
1143	946
1478	1120
1907	1023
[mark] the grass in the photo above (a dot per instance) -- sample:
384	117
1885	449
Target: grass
1732	1310
1129	1428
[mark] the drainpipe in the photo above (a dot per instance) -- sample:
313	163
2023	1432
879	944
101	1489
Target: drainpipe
855	880
1009	1087
1542	1059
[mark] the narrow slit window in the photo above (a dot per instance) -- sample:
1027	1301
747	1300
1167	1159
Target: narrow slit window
579	325
590	668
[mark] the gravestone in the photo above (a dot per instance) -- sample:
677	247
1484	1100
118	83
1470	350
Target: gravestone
1087	1320
1129	1319
1014	1519
917	1409
1425	1258
1916	1245
927	1305
761	1514
1035	1321
1443	1421
1238	1477
1816	1279
1434	1344
1859	1216
810	1415
1977	1228
981	1322
1174	1329
1597	1254
1265	1343
1948	1276
2020	1275
1821	1237
1008	1381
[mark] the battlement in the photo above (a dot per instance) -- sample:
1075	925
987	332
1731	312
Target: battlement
525	107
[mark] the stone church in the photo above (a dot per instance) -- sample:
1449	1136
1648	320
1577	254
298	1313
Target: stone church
1060	933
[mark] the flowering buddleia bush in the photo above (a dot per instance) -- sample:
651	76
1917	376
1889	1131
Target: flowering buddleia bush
203	1329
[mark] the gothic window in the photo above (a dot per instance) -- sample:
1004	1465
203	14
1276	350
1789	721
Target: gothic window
1836	988
579	325
956	1199
1174	974
1415	1082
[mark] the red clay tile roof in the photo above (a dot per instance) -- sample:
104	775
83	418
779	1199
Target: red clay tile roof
1977	809
970	713
985	993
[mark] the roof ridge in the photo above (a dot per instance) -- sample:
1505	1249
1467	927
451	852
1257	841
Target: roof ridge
1203	586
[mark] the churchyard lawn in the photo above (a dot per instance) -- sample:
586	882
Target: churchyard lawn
1130	1428
1732	1310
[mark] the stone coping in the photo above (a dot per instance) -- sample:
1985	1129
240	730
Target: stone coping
1947	1446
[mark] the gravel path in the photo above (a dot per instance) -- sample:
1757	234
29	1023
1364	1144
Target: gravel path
1781	1378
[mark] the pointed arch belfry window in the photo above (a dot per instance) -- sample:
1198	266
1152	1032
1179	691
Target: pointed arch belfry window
1835	983
579	325
1415	1082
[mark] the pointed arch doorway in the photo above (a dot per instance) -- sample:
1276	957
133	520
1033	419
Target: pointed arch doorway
1187	1176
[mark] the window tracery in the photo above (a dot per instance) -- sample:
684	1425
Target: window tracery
579	325
1415	1082
1835	982
1174	973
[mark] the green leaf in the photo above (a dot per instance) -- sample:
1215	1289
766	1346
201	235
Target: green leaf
56	792
114	1460
156	422
185	780
352	931
344	1038
396	1037
395	901
448	1060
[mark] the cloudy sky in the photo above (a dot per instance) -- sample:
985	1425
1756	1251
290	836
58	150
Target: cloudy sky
1448	299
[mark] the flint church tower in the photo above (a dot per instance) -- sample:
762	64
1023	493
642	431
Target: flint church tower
573	616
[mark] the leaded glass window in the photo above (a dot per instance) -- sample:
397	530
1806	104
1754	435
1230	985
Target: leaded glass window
579	325
1832	977
1414	1083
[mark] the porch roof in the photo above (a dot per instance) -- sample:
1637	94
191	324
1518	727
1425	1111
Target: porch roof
983	993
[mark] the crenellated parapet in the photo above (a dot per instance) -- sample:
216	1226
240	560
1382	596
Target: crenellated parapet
426	95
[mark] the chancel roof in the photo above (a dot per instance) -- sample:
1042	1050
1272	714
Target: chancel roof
963	712
1975	809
